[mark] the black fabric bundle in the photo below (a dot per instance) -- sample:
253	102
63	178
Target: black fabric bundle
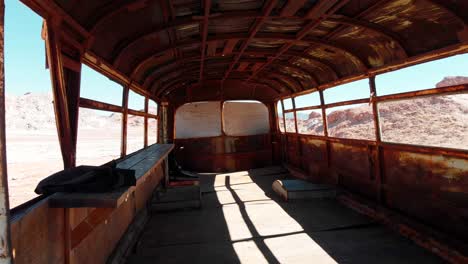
88	179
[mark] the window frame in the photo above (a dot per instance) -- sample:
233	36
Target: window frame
373	100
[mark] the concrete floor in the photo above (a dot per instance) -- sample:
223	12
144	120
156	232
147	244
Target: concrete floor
242	221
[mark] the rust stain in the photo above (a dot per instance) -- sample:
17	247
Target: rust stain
451	169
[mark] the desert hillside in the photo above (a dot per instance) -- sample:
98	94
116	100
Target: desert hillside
433	121
34	111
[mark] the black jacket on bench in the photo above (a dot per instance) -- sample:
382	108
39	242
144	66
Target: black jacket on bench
89	179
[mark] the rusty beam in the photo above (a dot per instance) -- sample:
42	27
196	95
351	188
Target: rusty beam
96	105
111	10
167	68
62	112
291	7
445	5
318	13
161	71
243	66
229	46
372	27
377	160
461	88
304	108
207	7
304	71
126	46
211	50
284	116
253	31
298	55
289	81
140	113
162	91
274	84
265	36
5	238
73	85
320	8
174	76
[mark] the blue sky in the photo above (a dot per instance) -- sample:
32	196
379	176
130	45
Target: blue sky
25	68
25	61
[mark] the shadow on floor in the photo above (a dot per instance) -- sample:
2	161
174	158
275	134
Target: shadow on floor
243	221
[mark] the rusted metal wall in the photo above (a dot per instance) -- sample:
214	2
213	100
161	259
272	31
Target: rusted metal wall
430	187
313	159
421	182
351	168
41	234
224	153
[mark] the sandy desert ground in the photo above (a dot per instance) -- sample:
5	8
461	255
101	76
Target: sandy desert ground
33	155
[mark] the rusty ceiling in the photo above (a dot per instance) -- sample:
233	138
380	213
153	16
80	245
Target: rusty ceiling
163	47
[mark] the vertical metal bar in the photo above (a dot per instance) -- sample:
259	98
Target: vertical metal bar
378	159
223	133
62	116
273	132
285	144
165	125
324	114
157	122
373	95
295	116
145	141
5	245
325	133
221	114
298	140
73	85
275	115
123	143
284	116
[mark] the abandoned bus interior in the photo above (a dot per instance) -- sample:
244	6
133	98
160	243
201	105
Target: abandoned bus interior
269	131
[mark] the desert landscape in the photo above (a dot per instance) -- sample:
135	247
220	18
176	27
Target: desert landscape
440	121
33	151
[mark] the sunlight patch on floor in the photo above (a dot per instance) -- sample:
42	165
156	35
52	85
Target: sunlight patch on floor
248	252
270	219
265	229
237	227
299	248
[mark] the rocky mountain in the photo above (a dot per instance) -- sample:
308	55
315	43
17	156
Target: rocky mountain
452	80
435	121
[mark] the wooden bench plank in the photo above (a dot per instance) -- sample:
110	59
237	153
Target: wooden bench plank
142	162
98	200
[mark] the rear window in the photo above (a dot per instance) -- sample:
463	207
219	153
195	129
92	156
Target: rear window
199	119
245	118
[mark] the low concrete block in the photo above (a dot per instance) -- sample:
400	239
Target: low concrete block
302	190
